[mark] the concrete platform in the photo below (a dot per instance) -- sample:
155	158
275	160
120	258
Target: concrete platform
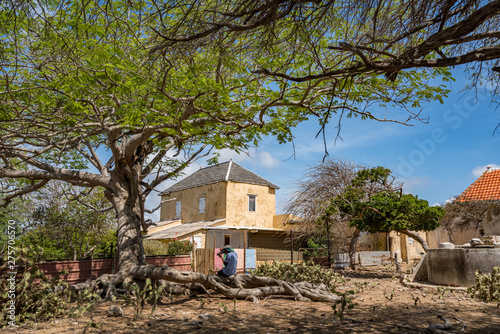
457	267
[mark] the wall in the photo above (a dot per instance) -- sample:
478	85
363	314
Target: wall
457	267
464	236
439	235
215	203
372	242
237	213
409	250
267	255
236	238
79	271
270	240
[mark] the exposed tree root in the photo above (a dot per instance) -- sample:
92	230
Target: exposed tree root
241	286
444	328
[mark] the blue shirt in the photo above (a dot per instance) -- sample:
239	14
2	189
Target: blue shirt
232	261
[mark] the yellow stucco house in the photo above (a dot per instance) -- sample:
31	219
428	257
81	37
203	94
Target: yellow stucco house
221	205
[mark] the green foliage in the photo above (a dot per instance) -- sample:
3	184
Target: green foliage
307	272
66	228
316	247
174	247
223	307
392	295
178	247
416	299
390	211
38	298
487	288
340	305
373	205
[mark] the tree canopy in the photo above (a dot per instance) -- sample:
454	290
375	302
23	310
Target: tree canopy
124	95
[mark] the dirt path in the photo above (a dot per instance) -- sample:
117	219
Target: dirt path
383	305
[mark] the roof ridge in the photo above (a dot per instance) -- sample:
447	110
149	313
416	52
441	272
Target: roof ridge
212	166
228	170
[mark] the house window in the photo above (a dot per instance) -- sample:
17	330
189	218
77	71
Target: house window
227	240
177	209
251	203
201	205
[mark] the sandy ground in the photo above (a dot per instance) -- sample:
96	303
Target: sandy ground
383	305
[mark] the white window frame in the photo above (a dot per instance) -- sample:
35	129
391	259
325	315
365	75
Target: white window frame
201	204
178	209
250	196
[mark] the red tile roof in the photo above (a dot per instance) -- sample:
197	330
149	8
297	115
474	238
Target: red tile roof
486	187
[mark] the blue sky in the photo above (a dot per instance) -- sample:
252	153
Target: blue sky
435	161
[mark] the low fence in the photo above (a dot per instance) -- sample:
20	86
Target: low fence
206	259
81	270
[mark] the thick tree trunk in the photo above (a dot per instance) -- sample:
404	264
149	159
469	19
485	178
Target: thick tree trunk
126	201
417	237
352	248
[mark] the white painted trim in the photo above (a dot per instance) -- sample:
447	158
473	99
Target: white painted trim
228	170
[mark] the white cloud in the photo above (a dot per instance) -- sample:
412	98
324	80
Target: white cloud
227	154
252	156
267	160
348	141
412	184
479	170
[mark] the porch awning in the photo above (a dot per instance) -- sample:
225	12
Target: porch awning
251	229
182	229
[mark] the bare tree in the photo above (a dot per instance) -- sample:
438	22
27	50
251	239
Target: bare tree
465	215
312	196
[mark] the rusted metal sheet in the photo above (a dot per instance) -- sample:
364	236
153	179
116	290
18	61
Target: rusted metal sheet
374	258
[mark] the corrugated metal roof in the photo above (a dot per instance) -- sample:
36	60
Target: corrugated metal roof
265	229
227	171
182	229
486	187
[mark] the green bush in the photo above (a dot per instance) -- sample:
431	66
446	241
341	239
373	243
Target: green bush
316	248
155	247
487	288
177	247
308	272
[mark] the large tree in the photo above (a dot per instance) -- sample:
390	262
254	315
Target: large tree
124	95
84	102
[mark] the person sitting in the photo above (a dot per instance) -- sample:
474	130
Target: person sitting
230	260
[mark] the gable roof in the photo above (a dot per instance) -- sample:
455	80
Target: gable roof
227	171
486	187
